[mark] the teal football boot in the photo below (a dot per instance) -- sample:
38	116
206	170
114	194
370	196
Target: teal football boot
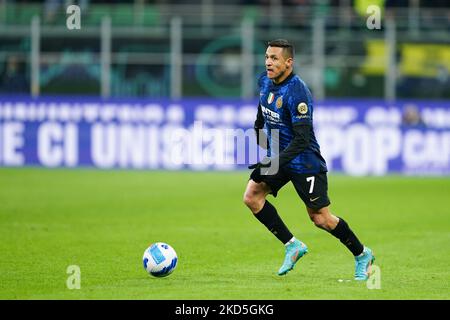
294	252
363	264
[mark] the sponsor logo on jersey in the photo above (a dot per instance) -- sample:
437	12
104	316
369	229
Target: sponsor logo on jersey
271	116
270	98
279	102
302	108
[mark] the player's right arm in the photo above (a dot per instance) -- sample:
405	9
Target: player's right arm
261	137
300	109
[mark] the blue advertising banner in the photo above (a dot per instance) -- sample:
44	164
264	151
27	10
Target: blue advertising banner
357	137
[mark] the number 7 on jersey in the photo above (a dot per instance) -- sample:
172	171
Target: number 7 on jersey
311	187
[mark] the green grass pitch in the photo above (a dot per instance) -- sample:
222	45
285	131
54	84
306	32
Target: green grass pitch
102	221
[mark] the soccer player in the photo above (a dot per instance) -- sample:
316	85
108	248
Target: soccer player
286	105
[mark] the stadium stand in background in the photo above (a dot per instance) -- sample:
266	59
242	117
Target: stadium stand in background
206	48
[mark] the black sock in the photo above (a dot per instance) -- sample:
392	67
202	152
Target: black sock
347	237
269	217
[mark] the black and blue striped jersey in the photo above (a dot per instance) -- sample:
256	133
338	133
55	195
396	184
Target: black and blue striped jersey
287	106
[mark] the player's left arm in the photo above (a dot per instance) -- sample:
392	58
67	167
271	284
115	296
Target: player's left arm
302	133
301	140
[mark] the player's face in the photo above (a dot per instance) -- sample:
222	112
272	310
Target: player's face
277	66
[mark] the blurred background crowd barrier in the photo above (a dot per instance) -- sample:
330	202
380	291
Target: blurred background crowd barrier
357	137
171	59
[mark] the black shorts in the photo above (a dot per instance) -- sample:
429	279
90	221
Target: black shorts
312	188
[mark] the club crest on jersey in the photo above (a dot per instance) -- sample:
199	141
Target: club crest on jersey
270	98
279	102
302	108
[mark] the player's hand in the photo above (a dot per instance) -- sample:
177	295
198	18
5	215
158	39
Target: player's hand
257	174
264	163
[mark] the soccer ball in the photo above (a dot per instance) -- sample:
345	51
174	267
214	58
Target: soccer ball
160	259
